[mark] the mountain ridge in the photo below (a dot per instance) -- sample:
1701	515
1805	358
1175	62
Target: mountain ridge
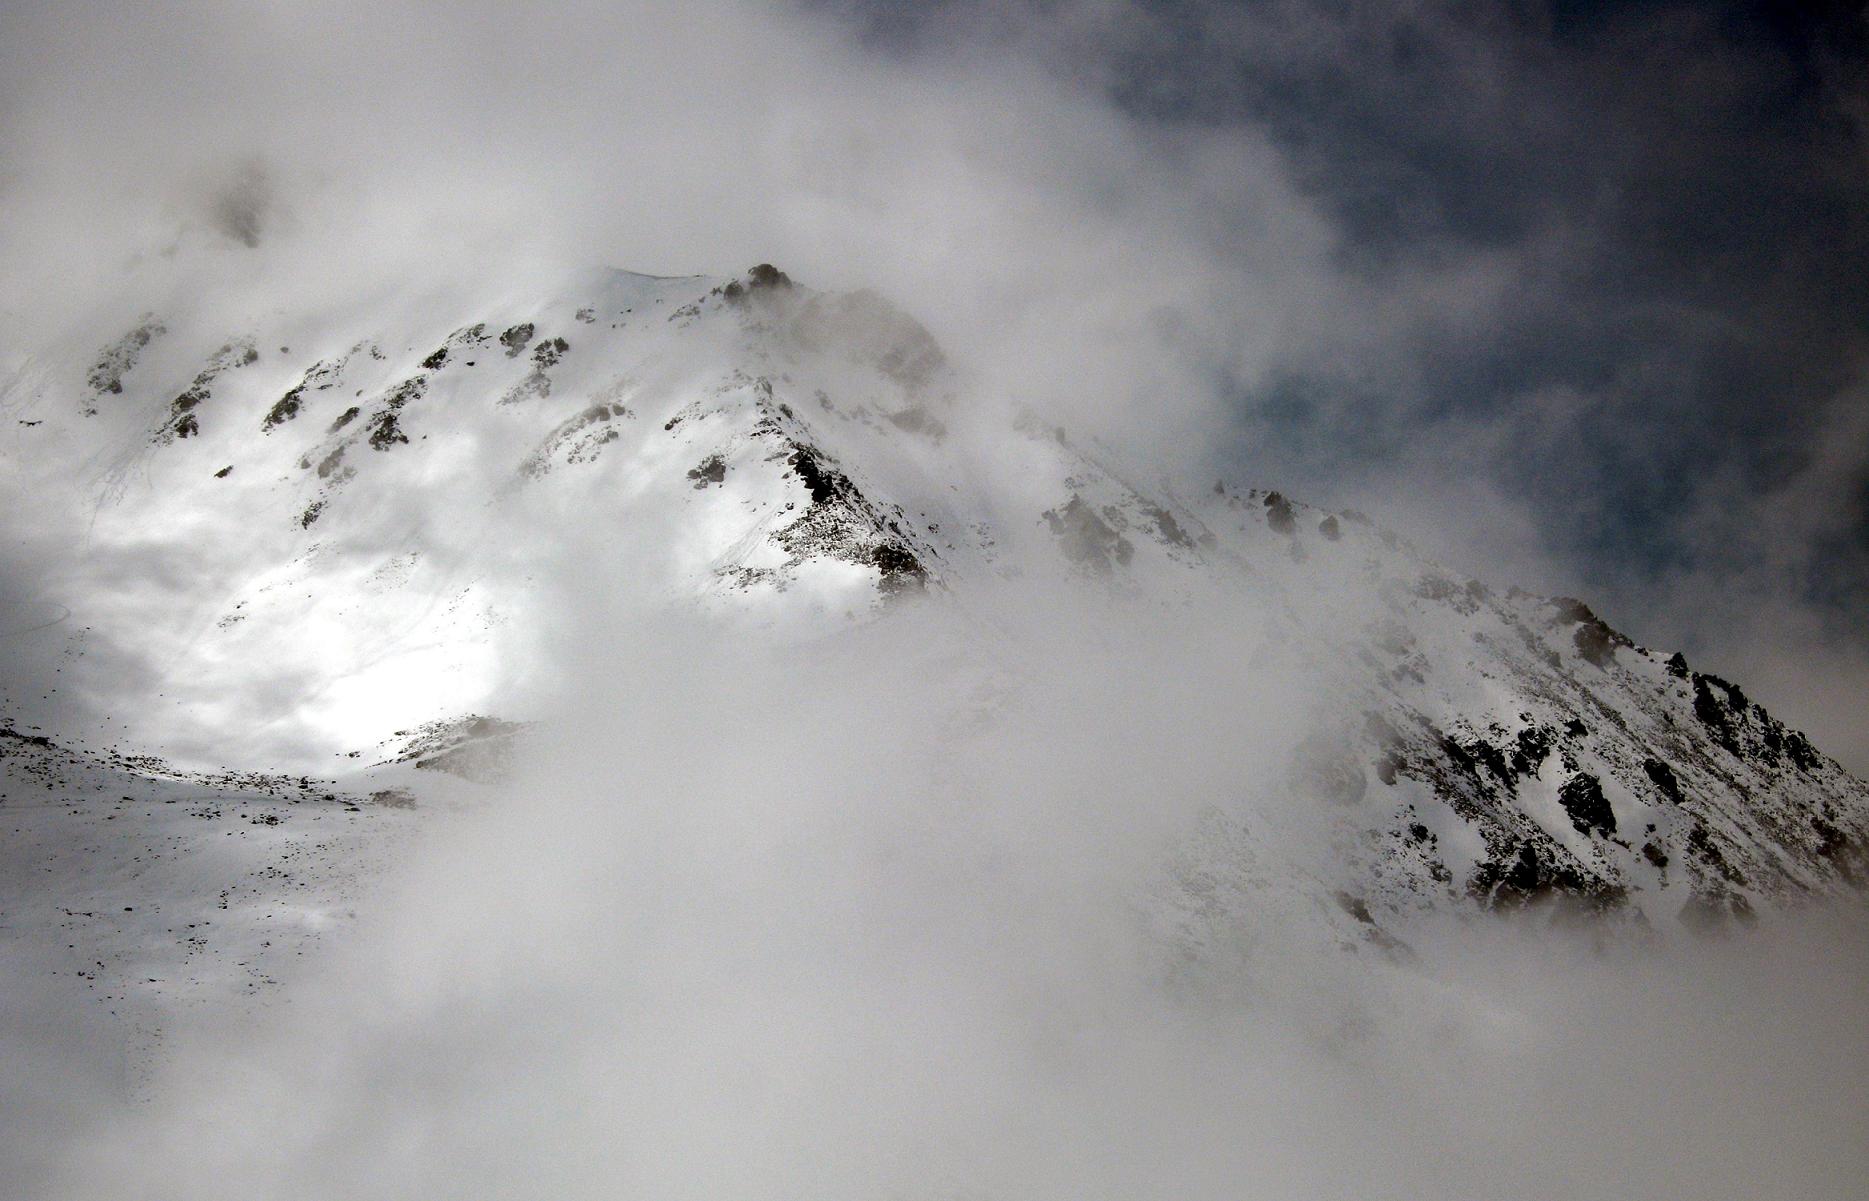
352	525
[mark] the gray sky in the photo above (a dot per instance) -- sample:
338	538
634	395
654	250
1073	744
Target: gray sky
1572	293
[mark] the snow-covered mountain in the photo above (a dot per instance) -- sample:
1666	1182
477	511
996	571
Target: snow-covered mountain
315	534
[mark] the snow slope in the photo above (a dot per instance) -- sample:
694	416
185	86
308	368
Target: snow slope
132	893
280	536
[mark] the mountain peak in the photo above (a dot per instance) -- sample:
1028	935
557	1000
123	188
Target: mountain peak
356	506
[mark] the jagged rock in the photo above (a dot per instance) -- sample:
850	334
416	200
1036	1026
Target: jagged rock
1583	800
711	470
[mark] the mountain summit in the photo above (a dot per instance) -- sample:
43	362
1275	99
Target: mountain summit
313	529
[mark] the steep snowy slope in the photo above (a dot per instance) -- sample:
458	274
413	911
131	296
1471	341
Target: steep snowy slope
1517	747
309	530
341	516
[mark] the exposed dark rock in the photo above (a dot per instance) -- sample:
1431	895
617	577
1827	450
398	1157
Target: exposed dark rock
538	383
765	275
1521	875
1774	737
824	483
762	278
901	571
469	335
840	523
1595	644
119	358
183	420
1471	756
386	431
1713	715
1802	753
1664	779
1594	639
1330	529
1533	745
385	424
711	470
1589	810
323	375
1278	514
516	338
285	410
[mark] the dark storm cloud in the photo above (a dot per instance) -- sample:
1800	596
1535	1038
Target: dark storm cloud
1682	195
1574	293
1611	263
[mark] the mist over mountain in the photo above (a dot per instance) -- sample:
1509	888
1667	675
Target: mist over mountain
1122	656
734	590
